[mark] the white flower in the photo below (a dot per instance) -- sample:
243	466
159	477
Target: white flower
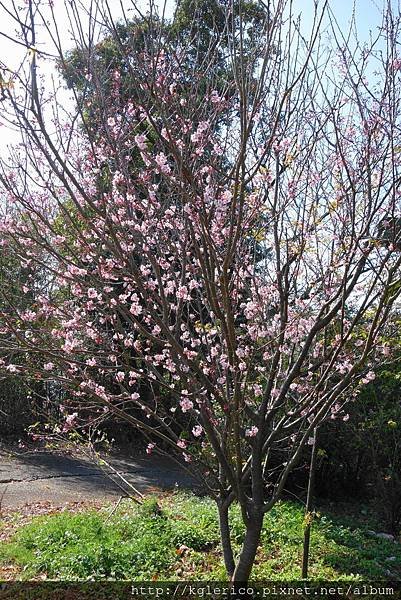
252	432
197	430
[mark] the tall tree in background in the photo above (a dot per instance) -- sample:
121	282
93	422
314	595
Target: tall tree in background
197	36
290	147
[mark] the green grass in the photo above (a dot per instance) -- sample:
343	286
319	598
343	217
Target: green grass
182	540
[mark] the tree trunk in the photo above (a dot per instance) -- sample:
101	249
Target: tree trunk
308	508
249	548
226	539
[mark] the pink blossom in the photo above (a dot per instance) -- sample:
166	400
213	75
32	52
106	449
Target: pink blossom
162	163
186	404
149	448
182	292
344	367
215	97
197	430
199	133
135	308
252	432
226	196
28	315
70	422
396	64
140	141
370	376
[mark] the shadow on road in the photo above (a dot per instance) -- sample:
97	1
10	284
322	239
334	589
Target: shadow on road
42	476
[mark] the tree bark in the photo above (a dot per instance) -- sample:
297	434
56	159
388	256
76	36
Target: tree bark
226	539
249	547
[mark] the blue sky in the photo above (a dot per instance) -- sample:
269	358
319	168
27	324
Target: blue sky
367	14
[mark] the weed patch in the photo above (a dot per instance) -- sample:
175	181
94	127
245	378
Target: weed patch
179	536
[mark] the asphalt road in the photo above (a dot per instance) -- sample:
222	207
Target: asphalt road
59	478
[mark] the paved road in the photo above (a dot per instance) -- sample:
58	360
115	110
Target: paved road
40	476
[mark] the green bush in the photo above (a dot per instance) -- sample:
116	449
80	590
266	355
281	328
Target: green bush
71	546
364	456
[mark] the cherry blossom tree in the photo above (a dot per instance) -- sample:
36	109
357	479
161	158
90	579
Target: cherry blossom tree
229	289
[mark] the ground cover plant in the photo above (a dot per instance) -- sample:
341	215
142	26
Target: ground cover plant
180	534
209	240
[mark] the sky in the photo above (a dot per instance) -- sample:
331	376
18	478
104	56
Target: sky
367	17
367	12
